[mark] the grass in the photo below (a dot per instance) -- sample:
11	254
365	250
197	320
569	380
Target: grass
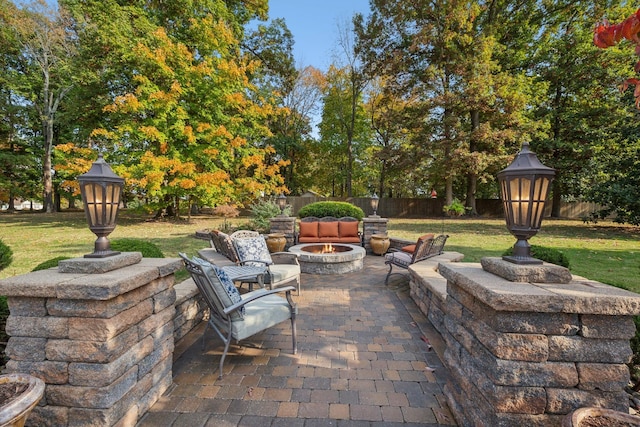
606	252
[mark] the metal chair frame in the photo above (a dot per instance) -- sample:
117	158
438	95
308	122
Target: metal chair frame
220	317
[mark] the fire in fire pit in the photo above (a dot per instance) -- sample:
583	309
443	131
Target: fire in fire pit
326	249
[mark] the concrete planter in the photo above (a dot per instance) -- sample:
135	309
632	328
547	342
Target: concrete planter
16	411
596	417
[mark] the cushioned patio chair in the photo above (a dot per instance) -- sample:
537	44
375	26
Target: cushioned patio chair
243	234
283	268
234	316
426	247
223	244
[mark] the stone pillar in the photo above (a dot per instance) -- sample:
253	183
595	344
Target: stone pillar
99	332
285	225
373	225
524	351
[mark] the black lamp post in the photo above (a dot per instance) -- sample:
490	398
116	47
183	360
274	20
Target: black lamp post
101	191
281	200
524	186
375	200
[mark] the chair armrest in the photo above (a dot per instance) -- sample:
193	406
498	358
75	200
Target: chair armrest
259	293
284	258
255	260
396	244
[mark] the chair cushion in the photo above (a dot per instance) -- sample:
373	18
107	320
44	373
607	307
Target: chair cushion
282	272
253	249
401	259
223	286
412	248
409	248
328	229
348	229
226	246
309	229
261	314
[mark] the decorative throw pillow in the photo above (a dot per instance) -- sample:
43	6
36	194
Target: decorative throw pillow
226	246
348	229
308	229
223	286
328	229
253	249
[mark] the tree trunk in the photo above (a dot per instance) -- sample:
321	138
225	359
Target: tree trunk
472	176
47	128
556	198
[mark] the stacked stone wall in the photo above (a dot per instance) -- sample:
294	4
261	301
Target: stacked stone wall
103	343
190	308
527	354
370	226
284	225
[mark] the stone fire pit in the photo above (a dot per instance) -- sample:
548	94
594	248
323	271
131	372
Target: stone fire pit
329	258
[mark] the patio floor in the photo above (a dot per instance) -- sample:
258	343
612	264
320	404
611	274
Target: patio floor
362	361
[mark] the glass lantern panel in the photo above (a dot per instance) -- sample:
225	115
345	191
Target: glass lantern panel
93	200
519	193
112	201
541	188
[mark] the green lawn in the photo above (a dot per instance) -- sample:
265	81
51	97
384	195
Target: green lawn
606	252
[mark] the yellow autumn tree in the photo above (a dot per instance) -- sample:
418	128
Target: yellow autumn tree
189	126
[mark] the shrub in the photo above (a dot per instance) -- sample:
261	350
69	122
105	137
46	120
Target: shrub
6	256
550	255
336	209
50	263
456	208
262	211
226	211
148	249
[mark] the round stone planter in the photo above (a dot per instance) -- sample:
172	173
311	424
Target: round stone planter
379	243
276	242
599	417
15	412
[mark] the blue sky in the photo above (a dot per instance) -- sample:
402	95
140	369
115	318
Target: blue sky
314	25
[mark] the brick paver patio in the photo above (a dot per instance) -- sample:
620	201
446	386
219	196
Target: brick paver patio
362	361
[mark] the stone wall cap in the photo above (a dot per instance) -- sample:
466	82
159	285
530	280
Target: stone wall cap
537	273
52	283
579	296
99	265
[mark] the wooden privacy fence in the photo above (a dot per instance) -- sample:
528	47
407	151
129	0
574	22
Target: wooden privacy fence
429	208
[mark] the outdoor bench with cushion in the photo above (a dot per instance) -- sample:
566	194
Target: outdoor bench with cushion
329	230
427	246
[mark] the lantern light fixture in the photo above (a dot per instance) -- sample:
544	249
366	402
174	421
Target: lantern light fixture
524	187
101	191
281	201
375	200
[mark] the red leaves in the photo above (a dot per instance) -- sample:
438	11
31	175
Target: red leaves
636	92
606	35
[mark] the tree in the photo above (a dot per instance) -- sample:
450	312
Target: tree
292	128
343	131
618	173
444	54
46	51
184	121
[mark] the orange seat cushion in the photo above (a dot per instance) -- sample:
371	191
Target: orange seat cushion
412	248
348	229
309	229
328	229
